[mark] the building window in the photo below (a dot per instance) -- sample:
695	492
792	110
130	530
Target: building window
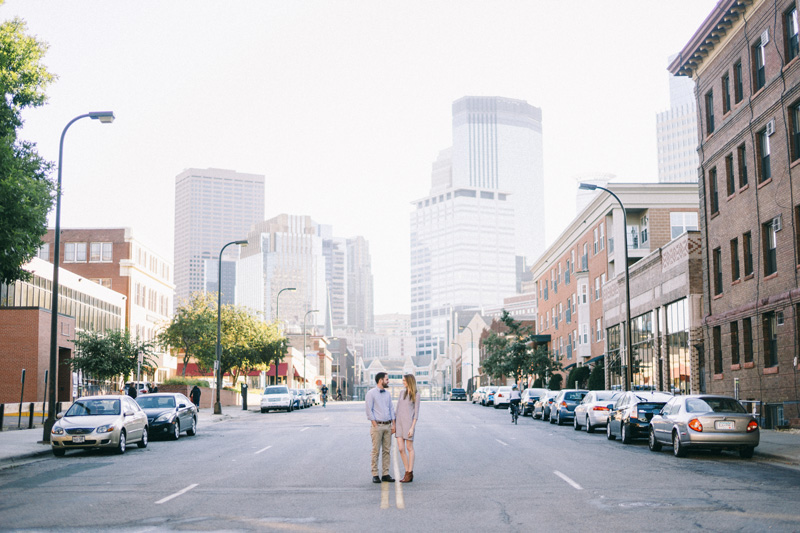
44	252
717	346
726	93
681	222
644	229
101	252
747	249
103	282
759	75
734	343
764	168
770	331
585	258
712	190
596	248
729	177
596	288
75	252
602	235
770	248
794	125
738	84
717	260
709	112
791	34
747	338
742	156
599	326
734	259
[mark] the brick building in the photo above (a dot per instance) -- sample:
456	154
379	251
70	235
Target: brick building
744	61
570	275
114	258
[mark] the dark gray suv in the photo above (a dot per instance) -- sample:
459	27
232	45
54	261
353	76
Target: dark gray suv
563	408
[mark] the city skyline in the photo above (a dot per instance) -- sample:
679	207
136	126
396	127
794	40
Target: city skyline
308	96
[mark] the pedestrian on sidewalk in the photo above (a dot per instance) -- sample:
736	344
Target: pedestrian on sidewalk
131	390
380	413
194	394
407	415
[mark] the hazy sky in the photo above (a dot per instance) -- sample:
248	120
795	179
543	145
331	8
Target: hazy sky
343	106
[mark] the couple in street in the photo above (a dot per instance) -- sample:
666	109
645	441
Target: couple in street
386	420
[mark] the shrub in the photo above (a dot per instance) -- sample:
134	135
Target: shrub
537	384
579	374
186	381
597	379
555	382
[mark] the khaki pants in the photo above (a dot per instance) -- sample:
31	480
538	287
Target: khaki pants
381	441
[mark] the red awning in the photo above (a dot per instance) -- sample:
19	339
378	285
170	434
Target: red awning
193	370
281	370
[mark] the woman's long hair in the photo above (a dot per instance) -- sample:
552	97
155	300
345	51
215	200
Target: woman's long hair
412	387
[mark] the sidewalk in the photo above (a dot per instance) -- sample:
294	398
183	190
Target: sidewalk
20	445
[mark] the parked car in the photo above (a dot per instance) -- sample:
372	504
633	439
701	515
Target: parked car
458	394
476	396
704	421
502	397
100	422
563	407
297	399
631	413
313	395
529	397
169	414
277	397
541	408
490	392
593	410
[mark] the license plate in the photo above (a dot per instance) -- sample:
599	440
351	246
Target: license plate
274	400
724	424
78	440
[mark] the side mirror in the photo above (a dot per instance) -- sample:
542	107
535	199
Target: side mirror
182	406
128	413
611	406
60	415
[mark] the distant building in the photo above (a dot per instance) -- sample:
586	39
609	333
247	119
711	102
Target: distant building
360	291
676	130
744	60
393	324
212	208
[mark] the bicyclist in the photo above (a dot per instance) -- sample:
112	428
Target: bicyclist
514	400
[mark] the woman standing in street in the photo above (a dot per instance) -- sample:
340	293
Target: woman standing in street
407	413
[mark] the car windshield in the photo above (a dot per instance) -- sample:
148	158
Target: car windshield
574	396
155	402
94	408
458	391
276	390
651	405
716	405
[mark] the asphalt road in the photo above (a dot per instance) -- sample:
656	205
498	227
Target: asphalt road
309	471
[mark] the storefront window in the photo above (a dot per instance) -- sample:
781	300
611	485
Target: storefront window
678	371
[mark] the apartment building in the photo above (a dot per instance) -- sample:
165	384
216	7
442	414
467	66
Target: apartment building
744	61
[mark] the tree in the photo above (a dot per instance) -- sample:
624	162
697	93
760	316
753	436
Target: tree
107	356
193	328
543	364
555	382
579	374
494	363
597	379
26	193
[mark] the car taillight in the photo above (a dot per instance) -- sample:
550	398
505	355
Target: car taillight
563	404
599	408
695	425
752	426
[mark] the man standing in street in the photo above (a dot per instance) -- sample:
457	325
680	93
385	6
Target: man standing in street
380	413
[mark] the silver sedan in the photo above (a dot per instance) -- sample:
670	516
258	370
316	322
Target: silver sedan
704	421
100	422
593	410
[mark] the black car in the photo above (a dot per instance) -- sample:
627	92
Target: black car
169	414
631	414
529	398
458	394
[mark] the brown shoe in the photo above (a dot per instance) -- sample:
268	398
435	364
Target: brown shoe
408	478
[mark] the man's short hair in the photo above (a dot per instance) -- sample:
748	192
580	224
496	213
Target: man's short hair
379	376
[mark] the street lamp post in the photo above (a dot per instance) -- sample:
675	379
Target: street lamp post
304	346
471	355
218	362
278	319
628	353
105	117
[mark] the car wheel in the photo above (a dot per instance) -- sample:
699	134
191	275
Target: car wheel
558	418
59	452
609	434
624	434
745	452
551	419
176	430
192	431
678	449
263	410
143	441
589	426
121	444
652	443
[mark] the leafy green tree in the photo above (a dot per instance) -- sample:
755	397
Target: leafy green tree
597	378
495	347
555	382
26	193
110	355
193	328
543	364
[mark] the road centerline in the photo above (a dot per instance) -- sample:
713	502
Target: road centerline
501	442
568	480
263	450
175	495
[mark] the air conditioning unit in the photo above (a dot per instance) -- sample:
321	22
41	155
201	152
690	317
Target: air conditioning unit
765	37
770	129
777	223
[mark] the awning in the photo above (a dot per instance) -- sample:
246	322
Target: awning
569	366
281	370
595	359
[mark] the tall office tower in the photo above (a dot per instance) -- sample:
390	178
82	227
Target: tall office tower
335	252
360	294
676	131
212	207
485	208
284	251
